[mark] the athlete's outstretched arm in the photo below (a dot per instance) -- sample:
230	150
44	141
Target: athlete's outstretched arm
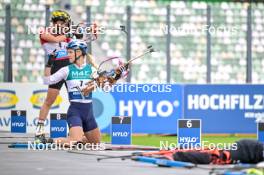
58	76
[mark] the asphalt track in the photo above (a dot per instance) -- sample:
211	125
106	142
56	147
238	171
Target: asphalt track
23	161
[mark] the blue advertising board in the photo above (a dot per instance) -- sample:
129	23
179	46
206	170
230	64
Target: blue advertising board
154	108
225	108
121	129
58	125
18	121
189	133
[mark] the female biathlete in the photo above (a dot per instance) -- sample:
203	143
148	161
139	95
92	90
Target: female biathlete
80	116
54	42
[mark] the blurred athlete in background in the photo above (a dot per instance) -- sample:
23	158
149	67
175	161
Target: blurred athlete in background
54	43
54	40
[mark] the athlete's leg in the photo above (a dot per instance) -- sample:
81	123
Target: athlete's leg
93	136
75	135
84	139
90	128
50	98
52	94
75	124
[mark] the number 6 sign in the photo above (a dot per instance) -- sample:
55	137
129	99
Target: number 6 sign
189	133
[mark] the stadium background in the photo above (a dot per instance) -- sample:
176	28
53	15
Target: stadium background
188	53
219	58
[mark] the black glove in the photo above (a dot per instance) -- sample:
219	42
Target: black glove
69	35
78	36
79	33
51	58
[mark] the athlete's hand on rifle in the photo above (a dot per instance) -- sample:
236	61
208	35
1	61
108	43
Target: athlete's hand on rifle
109	78
100	81
88	88
103	79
